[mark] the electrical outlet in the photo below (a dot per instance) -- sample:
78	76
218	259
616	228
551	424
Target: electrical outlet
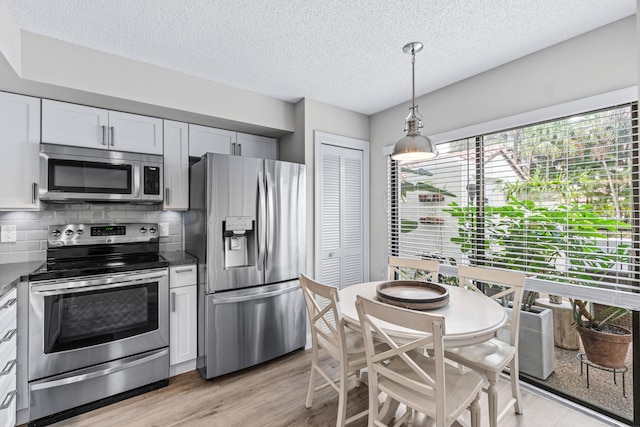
8	233
164	229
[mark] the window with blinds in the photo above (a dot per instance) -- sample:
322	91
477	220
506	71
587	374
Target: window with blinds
555	199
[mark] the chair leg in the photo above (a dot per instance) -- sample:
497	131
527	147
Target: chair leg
313	378
474	408
492	395
342	398
515	385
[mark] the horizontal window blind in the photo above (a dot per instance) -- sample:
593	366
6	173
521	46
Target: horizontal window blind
554	199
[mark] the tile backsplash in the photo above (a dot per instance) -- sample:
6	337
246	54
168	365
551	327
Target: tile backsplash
31	236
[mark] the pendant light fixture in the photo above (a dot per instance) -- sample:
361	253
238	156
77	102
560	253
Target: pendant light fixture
413	146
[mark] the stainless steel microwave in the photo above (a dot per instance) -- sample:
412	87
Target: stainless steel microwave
87	174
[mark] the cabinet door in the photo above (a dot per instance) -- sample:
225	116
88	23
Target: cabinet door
72	124
8	358
203	139
19	144
183	327
138	134
176	165
262	147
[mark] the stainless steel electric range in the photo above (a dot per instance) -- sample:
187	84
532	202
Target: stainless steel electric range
97	319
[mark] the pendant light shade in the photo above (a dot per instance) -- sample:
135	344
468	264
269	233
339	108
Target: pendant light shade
413	146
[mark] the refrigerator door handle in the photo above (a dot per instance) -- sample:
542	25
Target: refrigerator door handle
271	220
262	216
255	295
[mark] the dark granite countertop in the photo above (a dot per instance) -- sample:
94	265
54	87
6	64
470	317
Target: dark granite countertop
179	258
11	274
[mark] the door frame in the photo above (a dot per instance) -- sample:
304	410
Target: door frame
325	138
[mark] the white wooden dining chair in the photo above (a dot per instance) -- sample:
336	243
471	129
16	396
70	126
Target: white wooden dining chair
426	269
493	356
406	374
329	333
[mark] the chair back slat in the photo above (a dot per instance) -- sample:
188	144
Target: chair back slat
395	362
507	287
424	269
325	317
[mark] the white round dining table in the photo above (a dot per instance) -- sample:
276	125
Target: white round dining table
470	317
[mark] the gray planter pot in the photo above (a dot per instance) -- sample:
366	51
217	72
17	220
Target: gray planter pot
535	348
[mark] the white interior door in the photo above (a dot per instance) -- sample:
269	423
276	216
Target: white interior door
341	210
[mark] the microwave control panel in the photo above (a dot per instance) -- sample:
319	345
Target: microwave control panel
151	177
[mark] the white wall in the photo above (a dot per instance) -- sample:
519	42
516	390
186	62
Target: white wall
330	119
597	62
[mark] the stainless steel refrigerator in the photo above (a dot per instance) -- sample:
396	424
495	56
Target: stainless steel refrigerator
246	225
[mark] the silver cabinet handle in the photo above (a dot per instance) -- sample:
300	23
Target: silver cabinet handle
8	399
34	193
8	367
173	302
166	196
104	135
9	335
233	148
113	138
239	149
183	270
9	303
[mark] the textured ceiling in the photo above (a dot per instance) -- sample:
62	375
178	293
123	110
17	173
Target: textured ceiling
344	53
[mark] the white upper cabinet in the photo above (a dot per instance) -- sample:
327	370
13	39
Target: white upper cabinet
176	165
203	139
78	125
256	146
138	134
19	144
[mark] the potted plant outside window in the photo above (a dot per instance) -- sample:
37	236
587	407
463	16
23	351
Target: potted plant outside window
605	343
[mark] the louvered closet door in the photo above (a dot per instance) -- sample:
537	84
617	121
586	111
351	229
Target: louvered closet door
341	216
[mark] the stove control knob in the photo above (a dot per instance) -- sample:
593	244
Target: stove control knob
68	232
80	232
56	233
152	230
143	230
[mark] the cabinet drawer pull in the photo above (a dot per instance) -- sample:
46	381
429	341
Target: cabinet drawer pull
104	135
183	270
8	335
113	136
9	303
8	399
8	367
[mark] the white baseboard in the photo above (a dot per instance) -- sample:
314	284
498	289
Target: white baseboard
181	368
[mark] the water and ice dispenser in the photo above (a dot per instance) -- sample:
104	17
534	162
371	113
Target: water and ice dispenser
239	240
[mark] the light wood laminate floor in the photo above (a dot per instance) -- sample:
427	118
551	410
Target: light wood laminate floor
273	394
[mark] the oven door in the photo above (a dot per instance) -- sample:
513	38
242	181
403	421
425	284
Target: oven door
75	323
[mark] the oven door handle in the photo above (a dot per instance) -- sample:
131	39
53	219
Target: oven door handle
59	286
127	363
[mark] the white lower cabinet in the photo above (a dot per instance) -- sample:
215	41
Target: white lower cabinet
182	318
8	358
